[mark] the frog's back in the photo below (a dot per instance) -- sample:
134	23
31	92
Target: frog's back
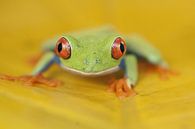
94	35
87	37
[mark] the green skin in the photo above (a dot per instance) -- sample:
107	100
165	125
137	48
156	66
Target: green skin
91	54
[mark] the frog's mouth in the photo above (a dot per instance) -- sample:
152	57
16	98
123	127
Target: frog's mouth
99	73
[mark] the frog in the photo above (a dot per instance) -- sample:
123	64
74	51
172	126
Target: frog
97	52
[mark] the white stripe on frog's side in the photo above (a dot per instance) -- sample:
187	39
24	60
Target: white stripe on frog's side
107	71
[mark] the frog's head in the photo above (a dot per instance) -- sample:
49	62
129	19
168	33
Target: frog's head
92	55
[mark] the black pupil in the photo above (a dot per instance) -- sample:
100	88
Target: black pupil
60	47
122	47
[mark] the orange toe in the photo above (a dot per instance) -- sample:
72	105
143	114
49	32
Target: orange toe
7	77
32	80
39	79
164	73
121	88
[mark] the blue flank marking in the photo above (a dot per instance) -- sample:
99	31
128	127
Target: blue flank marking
122	66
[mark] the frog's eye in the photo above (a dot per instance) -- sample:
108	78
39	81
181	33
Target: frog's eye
118	48
63	48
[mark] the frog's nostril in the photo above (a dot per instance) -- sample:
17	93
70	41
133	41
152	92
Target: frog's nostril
97	61
90	63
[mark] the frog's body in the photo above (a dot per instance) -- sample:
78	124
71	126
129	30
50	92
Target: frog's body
98	52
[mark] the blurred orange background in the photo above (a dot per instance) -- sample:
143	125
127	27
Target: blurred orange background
83	102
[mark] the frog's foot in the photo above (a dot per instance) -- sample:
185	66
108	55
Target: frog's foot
162	70
163	73
32	80
121	88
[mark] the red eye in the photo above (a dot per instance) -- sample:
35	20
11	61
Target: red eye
63	48
118	48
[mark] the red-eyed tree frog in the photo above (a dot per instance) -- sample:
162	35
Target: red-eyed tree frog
98	52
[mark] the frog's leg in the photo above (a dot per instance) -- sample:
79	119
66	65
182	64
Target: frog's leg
123	86
48	59
36	77
143	49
